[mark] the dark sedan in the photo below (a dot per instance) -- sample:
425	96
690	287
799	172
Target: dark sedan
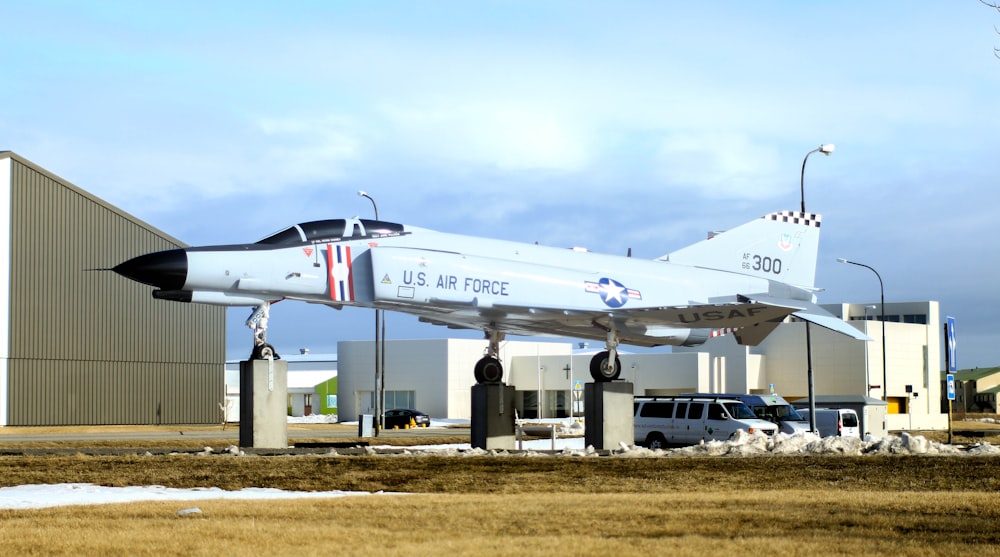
406	417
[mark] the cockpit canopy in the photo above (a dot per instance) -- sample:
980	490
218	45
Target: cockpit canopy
333	231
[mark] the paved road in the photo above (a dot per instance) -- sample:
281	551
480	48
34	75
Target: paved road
328	432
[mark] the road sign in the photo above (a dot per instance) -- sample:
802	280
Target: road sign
951	387
952	348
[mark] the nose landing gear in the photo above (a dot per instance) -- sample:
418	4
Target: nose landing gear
258	323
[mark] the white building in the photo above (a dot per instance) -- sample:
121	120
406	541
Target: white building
305	372
842	366
436	376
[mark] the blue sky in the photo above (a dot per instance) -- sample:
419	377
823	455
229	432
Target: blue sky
635	125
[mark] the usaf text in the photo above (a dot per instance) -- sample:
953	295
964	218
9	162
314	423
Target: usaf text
453	282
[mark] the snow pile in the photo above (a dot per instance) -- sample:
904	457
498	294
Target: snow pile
571	427
57	495
810	444
314	419
742	445
983	420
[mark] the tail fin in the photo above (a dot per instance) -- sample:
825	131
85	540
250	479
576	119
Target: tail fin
780	246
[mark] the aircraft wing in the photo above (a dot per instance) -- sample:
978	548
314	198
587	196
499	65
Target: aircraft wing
814	314
680	325
749	320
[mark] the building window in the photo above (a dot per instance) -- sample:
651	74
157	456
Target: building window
918	319
393	400
400	399
529	404
558	402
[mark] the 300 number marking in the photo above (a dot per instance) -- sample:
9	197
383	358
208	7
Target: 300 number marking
764	264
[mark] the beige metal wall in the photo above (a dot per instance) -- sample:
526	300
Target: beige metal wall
91	347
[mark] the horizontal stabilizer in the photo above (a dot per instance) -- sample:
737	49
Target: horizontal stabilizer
814	314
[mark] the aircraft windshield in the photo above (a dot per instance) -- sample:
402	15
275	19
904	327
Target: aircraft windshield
333	231
739	410
289	235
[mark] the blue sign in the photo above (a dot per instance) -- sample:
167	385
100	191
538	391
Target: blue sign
951	387
952	349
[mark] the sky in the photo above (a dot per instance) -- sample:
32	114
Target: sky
622	125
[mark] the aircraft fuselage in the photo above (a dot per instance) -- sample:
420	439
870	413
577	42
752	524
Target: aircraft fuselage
459	281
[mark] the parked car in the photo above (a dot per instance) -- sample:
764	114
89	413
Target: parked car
405	417
678	421
772	408
835	422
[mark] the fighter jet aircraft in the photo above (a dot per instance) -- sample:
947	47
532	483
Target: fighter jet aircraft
743	282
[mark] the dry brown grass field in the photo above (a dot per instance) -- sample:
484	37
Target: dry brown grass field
515	505
751	522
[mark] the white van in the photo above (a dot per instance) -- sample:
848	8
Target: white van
835	422
772	408
679	421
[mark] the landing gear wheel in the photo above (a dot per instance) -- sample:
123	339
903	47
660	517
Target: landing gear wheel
599	368
264	352
488	370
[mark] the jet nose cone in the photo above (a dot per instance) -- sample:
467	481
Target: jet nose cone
166	270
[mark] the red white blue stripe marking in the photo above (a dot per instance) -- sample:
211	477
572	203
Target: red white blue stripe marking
338	261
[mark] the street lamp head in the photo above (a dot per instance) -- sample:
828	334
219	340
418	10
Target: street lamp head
826	148
842	260
364	194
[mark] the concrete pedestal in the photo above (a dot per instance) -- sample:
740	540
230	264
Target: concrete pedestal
493	416
264	404
609	413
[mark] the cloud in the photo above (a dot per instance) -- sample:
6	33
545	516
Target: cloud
503	135
720	165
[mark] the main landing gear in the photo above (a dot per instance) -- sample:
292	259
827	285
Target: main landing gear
605	366
258	323
489	369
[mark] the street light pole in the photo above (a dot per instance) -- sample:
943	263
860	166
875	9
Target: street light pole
881	290
379	392
826	149
868	375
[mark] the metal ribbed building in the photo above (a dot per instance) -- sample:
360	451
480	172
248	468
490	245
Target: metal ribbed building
84	347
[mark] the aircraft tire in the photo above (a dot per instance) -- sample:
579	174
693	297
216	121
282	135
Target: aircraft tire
263	352
598	371
488	370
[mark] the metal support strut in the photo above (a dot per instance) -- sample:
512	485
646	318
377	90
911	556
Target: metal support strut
258	324
612	345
